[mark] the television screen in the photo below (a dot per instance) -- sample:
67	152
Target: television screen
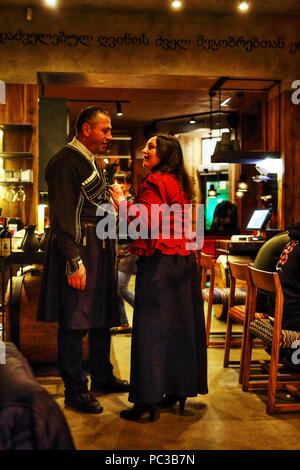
259	219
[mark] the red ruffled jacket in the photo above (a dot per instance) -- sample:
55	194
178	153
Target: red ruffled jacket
159	228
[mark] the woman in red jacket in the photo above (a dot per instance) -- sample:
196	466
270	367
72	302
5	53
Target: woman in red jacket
168	353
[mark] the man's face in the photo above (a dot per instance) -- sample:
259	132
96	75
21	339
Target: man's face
97	133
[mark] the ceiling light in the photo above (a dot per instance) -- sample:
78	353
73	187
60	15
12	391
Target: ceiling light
242	184
260	178
51	3
239	194
192	120
119	109
243	5
176	4
225	102
270	165
29	13
212	191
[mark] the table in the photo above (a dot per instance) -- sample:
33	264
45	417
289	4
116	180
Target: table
237	247
20	258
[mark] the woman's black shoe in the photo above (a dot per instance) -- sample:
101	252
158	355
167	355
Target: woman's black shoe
137	411
170	400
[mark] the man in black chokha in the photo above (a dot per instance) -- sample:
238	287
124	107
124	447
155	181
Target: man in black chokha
79	286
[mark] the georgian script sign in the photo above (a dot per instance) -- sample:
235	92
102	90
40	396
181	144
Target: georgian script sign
200	42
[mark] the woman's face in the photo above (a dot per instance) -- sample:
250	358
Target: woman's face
150	154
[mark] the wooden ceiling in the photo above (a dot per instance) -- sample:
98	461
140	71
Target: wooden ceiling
146	98
150	97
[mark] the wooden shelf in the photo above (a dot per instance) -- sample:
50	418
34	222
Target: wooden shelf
19	148
5	182
16	155
16	127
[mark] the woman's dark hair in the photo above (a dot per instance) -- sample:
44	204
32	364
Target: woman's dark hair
171	161
88	114
294	231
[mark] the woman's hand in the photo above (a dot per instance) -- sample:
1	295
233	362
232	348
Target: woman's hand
78	279
117	195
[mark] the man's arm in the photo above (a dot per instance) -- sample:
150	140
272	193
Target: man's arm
65	203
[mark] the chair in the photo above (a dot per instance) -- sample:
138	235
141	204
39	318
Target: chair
215	295
236	312
271	333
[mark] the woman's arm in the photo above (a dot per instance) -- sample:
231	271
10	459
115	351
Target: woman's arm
144	212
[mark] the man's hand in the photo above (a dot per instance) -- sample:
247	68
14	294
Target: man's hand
78	279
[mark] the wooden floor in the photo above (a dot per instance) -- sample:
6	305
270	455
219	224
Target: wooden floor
225	419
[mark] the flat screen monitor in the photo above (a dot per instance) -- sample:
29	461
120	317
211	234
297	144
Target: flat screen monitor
259	219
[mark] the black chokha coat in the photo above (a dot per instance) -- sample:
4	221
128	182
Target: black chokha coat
76	188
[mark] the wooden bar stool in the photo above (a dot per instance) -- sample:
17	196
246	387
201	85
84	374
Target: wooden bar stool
270	331
236	312
215	296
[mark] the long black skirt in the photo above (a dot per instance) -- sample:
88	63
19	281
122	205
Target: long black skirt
168	352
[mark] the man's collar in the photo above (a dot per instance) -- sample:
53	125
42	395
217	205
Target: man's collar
82	149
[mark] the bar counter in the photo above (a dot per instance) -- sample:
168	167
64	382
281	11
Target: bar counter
234	247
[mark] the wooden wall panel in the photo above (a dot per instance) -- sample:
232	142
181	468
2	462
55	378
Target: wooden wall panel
261	130
290	125
273	107
21	108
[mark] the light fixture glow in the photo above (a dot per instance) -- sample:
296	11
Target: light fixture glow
272	165
243	5
239	194
51	3
192	120
29	13
41	218
176	4
119	109
225	102
212	191
242	184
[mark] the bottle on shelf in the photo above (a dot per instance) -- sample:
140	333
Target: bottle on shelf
5	240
